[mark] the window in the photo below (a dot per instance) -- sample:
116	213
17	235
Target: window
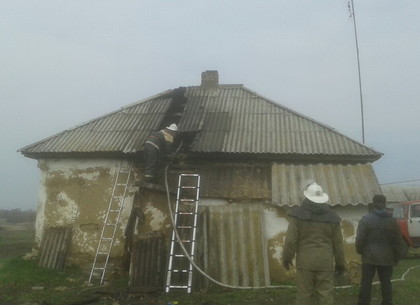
399	212
415	210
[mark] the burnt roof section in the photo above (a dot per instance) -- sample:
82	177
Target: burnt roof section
219	119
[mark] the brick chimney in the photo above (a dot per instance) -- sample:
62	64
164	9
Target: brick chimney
210	79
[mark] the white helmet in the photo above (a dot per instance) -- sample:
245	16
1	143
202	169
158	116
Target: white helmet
315	193
172	127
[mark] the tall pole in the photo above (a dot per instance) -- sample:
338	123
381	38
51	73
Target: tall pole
353	14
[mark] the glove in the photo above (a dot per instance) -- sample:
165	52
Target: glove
339	269
287	264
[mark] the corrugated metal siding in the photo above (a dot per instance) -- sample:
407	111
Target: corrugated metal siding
235	245
230	119
148	261
345	184
54	247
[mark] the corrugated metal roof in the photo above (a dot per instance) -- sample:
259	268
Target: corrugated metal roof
121	131
345	184
401	192
228	119
234	119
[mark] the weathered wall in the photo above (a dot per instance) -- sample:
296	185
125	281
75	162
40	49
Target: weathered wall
276	222
274	227
76	193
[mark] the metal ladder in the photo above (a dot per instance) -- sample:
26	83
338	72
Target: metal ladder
180	269
112	218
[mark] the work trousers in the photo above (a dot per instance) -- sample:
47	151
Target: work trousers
315	285
151	160
384	274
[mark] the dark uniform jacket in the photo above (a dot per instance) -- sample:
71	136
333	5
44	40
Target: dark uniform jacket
379	239
314	235
163	141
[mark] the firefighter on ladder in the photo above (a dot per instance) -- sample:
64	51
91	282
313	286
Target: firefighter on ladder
157	146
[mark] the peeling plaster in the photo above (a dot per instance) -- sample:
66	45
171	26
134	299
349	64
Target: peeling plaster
77	192
276	246
40	215
65	210
86	240
157	217
275	227
273	223
349	228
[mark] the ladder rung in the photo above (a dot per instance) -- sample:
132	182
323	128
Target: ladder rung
183	241
182	287
113	210
98	268
189	175
110	224
184	206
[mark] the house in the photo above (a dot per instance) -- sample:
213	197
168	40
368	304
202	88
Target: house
401	192
251	153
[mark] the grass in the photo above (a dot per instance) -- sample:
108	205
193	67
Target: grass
15	242
24	282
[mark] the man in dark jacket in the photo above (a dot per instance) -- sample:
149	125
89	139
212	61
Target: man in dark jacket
314	235
157	146
380	244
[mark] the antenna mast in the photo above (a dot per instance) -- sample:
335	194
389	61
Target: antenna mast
352	14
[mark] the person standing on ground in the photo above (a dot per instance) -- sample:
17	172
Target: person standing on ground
314	235
157	146
380	243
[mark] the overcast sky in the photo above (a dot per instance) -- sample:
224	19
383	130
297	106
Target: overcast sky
65	62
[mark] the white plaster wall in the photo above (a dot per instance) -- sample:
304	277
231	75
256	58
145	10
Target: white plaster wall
350	217
40	215
86	189
275	227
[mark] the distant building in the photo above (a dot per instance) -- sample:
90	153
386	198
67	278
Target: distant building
401	192
252	155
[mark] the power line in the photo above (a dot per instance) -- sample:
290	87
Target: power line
414	180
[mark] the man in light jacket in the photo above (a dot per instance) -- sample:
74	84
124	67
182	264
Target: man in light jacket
314	235
380	243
